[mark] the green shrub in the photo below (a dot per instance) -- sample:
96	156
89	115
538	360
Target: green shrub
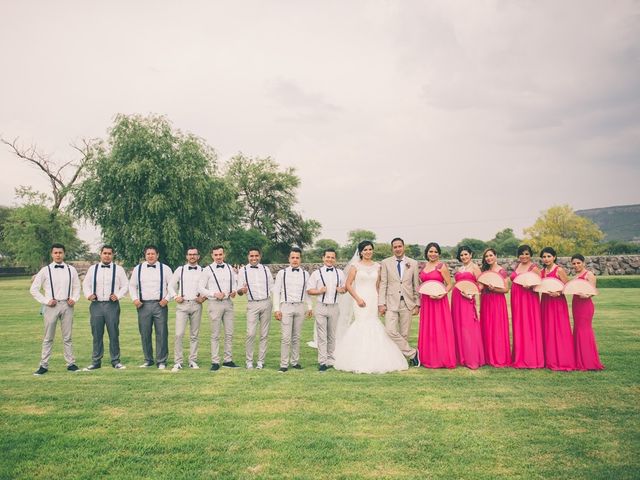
619	281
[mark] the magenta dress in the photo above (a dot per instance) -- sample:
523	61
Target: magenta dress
556	330
527	326
466	326
436	343
494	322
584	340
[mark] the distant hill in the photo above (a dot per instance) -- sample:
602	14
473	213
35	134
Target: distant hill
618	223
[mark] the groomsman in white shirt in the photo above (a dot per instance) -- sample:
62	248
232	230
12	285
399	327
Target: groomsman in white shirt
291	304
327	283
104	285
183	286
218	283
57	287
257	284
149	290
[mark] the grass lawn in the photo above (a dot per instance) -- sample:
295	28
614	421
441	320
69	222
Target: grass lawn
146	423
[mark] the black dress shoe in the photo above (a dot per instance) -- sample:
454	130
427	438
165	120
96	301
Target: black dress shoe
282	369
297	366
40	371
73	368
215	367
323	368
229	365
415	361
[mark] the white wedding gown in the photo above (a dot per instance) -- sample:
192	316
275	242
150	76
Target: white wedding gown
365	347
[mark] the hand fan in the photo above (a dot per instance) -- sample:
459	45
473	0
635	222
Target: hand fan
491	279
579	286
432	288
549	285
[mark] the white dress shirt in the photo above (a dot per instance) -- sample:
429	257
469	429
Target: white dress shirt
100	279
64	278
258	279
291	287
150	285
403	262
218	278
330	277
185	282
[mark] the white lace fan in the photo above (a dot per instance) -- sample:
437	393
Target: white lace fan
432	288
491	279
467	287
579	286
528	279
549	285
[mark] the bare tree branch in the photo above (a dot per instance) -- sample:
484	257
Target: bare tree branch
59	186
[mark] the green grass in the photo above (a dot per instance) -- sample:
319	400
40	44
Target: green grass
490	423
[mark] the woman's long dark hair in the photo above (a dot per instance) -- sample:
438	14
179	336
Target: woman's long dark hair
485	265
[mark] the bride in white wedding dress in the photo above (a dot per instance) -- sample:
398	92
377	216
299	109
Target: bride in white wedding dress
365	347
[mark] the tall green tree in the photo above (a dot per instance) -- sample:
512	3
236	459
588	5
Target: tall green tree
267	197
315	255
30	230
559	227
505	243
476	245
151	183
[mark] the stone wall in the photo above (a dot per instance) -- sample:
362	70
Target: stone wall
600	265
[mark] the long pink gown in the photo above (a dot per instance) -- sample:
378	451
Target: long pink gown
436	343
466	326
583	338
556	330
494	322
527	326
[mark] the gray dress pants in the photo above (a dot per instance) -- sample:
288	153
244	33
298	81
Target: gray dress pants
151	315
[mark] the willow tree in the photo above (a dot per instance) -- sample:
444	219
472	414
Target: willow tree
151	183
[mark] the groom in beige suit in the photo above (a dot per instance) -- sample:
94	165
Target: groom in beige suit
398	297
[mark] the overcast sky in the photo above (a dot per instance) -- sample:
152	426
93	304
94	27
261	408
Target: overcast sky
431	120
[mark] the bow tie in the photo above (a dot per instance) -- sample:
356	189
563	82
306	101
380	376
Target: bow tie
253	266
295	269
58	266
220	266
329	269
193	268
105	265
151	266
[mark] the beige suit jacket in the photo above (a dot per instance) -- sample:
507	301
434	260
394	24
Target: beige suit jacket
392	289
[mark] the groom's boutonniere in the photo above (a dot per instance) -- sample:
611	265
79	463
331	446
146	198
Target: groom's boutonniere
407	265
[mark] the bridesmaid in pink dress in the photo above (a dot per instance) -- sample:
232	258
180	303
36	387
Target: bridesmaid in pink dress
466	325
494	318
525	316
582	308
556	328
436	344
